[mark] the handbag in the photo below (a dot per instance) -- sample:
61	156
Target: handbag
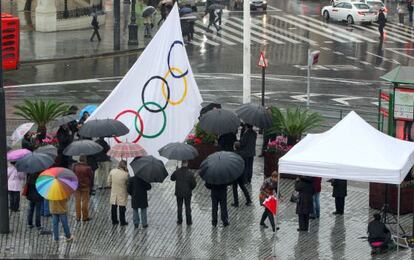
25	190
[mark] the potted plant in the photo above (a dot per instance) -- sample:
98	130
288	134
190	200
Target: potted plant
205	144
274	150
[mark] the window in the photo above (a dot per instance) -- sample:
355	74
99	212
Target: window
361	6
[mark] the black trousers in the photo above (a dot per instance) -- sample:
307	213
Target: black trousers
340	204
248	168
240	182
407	130
187	202
304	222
222	200
14	200
114	215
96	32
269	215
381	31
410	15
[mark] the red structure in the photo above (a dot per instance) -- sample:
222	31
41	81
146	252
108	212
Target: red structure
10	37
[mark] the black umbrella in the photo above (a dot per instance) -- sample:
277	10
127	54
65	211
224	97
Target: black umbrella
82	147
103	128
148	11
255	114
47	149
209	107
149	168
63	120
178	151
215	6
34	162
219	121
222	168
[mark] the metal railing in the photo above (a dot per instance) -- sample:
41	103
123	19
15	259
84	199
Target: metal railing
78	12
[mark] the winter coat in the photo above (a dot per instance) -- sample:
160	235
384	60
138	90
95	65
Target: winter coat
305	202
317	184
58	206
95	24
339	188
27	144
118	179
102	156
64	138
248	144
15	179
217	191
138	188
184	182
32	194
84	174
381	19
377	231
268	188
226	141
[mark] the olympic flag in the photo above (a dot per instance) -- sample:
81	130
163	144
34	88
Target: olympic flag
158	99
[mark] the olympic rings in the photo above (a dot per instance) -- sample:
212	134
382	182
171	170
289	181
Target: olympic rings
163	125
174	103
168	61
143	94
137	115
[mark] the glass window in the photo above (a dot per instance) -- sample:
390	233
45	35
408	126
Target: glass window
361	6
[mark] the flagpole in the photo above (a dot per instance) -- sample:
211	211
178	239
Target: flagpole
246	52
308	81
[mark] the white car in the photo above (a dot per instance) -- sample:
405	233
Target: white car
376	5
352	12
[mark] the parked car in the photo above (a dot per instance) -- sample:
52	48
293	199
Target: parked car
376	5
351	12
254	4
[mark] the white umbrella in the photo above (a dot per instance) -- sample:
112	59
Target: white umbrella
20	131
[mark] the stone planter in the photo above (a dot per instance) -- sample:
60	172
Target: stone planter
271	163
377	198
204	150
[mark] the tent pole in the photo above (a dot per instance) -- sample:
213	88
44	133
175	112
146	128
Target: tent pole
277	211
398	218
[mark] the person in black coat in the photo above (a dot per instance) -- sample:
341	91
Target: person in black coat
304	206
35	200
339	193
247	150
381	23
64	138
138	188
218	196
226	142
95	25
27	142
185	182
378	232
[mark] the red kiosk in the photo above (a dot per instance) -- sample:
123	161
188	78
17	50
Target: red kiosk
10	41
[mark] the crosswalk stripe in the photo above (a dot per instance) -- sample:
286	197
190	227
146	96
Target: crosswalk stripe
396	34
369	29
206	40
262	35
404	26
325	29
214	37
269	32
309	29
336	28
222	33
273	8
240	33
400	30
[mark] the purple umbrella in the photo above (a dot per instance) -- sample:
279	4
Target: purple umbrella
15	155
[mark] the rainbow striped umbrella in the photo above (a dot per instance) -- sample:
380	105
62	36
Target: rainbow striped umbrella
56	183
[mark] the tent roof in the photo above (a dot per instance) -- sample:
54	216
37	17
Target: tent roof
401	74
351	150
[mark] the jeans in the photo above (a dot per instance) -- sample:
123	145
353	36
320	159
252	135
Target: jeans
187	202
33	207
14	199
316	205
44	208
63	218
136	219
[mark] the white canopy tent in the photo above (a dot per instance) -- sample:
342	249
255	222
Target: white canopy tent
351	150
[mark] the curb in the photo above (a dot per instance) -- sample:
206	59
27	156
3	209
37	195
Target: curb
103	54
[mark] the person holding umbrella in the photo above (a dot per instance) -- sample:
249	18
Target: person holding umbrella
14	182
247	150
84	173
104	163
219	197
35	201
185	183
64	138
59	209
138	188
118	179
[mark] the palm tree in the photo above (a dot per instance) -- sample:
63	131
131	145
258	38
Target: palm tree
294	122
41	112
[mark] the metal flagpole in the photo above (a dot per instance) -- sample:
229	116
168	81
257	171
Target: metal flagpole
308	84
246	52
277	210
398	218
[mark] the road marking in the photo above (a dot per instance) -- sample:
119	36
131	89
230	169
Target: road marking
399	53
344	100
383	58
375	32
273	8
214	37
240	33
204	39
325	48
304	98
380	68
225	34
70	82
351	58
399	29
338	52
263	35
328	42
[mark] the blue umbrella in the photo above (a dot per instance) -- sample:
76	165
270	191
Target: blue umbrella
185	10
88	108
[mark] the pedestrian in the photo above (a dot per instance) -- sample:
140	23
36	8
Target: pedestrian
410	10
44	208
148	24
185	182
163	12
73	125
59	209
304	206
240	182
35	201
268	188
212	20
64	138
138	189
339	193
84	173
400	12
82	120
381	23
247	150
91	161
104	164
317	187
118	180
378	232
408	125
15	181
218	13
219	196
27	142
95	25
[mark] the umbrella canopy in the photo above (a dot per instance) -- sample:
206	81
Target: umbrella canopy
222	168
127	150
255	114
209	107
148	11
15	155
56	183
103	128
89	109
82	147
219	121
215	6
63	120
178	151
166	2
149	168
34	162
47	149
20	131
185	10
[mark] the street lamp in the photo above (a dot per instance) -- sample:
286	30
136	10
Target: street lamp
133	27
117	25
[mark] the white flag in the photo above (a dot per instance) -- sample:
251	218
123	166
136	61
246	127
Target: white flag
158	99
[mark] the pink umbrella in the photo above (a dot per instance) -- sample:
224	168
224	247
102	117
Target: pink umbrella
127	150
15	155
